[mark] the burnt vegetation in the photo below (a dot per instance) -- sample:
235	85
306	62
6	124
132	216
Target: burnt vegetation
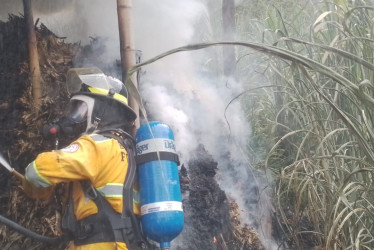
211	219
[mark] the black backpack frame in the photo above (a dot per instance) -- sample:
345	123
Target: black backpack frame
108	225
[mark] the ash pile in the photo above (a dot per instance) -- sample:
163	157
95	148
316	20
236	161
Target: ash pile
211	218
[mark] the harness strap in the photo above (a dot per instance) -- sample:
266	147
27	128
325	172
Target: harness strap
128	211
156	156
108	225
68	221
105	226
131	169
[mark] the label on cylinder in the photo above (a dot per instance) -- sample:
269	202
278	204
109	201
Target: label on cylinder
161	207
155	145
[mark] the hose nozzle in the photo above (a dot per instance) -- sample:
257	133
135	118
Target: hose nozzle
5	163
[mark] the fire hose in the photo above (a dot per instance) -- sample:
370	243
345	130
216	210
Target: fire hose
20	229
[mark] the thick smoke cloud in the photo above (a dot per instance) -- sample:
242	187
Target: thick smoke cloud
177	90
180	91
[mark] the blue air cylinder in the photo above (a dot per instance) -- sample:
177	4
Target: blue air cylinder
160	195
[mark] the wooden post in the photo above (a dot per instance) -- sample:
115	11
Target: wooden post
35	76
124	11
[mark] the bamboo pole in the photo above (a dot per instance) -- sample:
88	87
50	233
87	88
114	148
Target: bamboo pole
124	11
35	76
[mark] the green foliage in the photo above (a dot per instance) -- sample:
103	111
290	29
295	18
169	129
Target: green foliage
308	70
322	120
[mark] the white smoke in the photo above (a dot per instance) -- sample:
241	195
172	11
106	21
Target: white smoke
177	89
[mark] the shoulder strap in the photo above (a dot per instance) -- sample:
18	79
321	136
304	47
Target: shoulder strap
156	156
106	225
128	143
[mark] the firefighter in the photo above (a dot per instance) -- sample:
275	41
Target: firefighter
98	164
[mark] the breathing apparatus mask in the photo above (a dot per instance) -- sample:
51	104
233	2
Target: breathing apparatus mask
77	117
98	100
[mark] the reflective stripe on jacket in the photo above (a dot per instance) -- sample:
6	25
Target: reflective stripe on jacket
101	160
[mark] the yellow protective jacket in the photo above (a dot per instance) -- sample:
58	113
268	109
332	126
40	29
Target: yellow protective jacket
101	160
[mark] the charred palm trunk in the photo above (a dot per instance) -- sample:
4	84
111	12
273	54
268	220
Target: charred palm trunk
35	76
